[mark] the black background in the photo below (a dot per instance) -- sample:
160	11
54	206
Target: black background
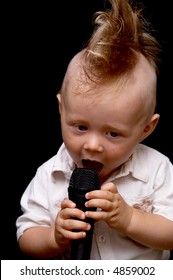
39	39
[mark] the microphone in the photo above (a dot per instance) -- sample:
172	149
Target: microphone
82	181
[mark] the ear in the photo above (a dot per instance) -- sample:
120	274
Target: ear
59	102
151	125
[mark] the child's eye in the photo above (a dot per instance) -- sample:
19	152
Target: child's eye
112	134
82	127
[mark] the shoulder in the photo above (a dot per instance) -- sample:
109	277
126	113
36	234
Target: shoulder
150	154
149	163
61	161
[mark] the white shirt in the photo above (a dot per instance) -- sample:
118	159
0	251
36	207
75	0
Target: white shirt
145	181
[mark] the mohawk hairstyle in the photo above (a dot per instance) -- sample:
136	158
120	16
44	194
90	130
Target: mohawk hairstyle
121	33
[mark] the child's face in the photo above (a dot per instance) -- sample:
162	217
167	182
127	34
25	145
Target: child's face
102	131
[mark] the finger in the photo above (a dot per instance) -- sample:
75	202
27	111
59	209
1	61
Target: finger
98	215
109	187
66	203
75	225
74	229
73	235
67	213
103	204
101	194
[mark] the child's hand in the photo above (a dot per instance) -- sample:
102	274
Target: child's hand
66	222
114	210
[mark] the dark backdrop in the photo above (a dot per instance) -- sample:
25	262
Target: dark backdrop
39	41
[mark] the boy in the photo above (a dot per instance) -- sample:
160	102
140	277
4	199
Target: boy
107	105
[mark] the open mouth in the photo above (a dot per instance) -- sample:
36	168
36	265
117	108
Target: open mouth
92	164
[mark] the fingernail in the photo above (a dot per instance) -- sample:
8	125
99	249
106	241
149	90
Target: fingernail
87	195
88	227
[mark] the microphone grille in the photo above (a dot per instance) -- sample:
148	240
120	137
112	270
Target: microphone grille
85	179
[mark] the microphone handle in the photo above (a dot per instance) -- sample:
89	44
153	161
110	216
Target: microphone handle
81	248
82	181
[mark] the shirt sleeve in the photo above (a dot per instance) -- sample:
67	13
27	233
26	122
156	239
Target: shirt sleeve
34	204
163	193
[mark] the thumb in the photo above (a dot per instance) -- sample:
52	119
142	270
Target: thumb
109	187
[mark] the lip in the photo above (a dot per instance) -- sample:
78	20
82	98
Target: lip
87	163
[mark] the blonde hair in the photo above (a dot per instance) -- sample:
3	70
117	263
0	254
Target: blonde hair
120	35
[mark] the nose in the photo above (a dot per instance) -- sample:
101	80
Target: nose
93	143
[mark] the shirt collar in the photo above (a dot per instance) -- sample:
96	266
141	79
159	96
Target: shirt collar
63	162
134	165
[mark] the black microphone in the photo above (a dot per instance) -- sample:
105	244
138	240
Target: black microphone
83	180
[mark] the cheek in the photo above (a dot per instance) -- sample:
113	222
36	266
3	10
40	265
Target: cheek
66	132
72	145
119	155
73	151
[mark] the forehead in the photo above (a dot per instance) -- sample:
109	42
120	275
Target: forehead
138	84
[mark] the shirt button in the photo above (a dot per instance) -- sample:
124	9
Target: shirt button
102	239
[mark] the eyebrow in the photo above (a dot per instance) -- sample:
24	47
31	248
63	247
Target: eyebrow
111	128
